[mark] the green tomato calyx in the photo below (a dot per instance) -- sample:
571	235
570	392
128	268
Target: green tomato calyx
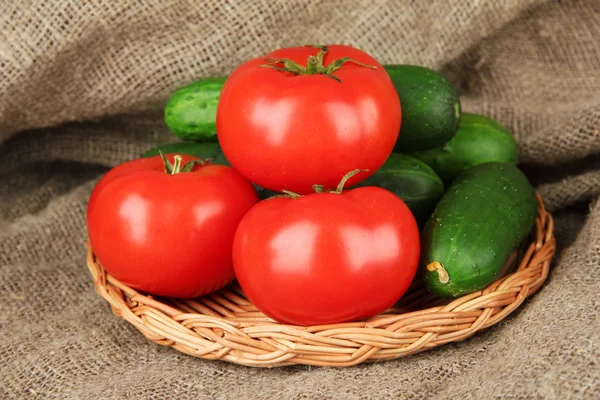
321	188
314	64
176	167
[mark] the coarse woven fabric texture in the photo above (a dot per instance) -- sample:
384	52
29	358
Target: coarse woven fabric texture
82	86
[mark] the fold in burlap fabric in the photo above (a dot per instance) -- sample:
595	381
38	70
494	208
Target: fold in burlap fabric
82	86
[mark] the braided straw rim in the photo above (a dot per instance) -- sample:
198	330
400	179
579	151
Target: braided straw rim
226	326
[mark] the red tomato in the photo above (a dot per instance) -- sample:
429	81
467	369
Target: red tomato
168	235
327	258
290	130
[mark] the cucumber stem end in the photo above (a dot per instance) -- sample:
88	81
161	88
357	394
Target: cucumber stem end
439	268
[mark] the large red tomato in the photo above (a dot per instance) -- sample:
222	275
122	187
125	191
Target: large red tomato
305	115
168	234
327	258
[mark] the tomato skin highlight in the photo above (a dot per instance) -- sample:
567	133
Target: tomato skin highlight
168	235
287	132
327	258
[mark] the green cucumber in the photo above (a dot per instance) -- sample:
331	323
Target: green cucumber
203	151
207	150
479	139
483	216
191	112
430	107
411	180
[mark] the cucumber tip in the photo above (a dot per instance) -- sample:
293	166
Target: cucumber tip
439	268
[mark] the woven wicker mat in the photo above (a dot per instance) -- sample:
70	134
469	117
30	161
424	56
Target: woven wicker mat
82	84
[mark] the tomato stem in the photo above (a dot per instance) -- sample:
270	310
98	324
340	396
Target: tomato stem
321	188
314	64
345	178
176	164
176	168
291	194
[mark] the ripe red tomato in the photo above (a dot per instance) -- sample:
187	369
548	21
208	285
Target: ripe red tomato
168	235
290	130
327	258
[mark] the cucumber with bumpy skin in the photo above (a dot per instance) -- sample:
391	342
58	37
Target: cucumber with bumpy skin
411	180
479	139
430	105
483	216
191	111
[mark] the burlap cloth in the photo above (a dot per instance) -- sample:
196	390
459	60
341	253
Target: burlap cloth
82	85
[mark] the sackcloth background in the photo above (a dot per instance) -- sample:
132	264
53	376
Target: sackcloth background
82	86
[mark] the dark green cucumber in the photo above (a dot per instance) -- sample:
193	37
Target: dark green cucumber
430	107
191	112
479	139
207	150
483	216
203	151
411	180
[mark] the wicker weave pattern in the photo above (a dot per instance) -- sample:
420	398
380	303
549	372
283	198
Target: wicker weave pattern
226	326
